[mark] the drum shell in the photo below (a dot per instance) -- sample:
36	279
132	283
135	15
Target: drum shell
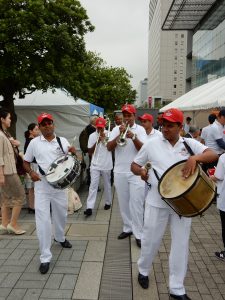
68	177
196	199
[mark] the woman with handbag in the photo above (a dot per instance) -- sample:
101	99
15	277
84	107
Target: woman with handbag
12	196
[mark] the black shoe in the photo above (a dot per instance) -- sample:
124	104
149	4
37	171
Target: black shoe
88	212
65	244
180	297
138	242
124	235
44	267
143	281
107	206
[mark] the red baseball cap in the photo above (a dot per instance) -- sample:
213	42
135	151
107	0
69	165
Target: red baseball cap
43	116
146	117
129	108
100	122
173	115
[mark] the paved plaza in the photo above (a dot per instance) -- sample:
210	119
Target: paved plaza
101	267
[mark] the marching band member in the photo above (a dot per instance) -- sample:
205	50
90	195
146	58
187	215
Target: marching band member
45	149
147	122
164	151
129	188
101	163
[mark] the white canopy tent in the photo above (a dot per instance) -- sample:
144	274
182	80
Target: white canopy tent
207	96
198	102
70	115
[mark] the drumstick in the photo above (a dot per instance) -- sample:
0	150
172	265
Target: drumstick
72	144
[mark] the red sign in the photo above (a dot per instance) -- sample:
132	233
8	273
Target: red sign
150	102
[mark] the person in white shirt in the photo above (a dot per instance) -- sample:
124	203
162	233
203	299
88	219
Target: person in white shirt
187	125
129	188
147	121
46	149
101	164
162	152
219	177
204	133
216	137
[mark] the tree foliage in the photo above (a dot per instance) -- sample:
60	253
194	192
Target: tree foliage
41	41
42	46
102	85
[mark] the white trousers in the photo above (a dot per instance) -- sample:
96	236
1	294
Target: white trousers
130	192
44	196
93	189
155	223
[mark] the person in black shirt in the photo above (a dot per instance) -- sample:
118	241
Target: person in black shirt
31	132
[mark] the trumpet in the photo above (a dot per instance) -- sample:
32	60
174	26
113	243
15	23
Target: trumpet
121	141
106	139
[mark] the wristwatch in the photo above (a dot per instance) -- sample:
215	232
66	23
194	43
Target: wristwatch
134	137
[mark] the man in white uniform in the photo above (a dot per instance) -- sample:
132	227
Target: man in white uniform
101	164
204	133
147	121
163	152
129	188
45	149
216	137
219	177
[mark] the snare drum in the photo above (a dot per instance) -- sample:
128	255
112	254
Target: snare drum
187	197
63	172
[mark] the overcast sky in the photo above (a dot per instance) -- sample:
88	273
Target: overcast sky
121	34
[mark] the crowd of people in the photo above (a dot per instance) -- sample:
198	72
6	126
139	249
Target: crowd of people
132	156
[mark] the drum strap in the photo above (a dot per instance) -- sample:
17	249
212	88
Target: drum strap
60	145
188	148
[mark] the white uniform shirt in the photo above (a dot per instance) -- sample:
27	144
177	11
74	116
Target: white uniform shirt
204	134
102	160
186	127
215	132
152	134
220	174
45	152
163	155
125	155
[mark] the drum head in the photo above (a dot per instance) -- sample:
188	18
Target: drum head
172	184
60	168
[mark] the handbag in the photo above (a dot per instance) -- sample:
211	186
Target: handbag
19	162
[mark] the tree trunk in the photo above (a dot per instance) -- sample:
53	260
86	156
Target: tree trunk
8	103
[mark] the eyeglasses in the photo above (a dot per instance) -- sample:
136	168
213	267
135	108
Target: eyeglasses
46	123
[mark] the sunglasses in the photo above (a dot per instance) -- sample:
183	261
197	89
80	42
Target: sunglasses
45	123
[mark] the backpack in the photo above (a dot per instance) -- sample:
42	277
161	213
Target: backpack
83	140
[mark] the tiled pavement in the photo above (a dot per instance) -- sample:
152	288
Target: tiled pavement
101	267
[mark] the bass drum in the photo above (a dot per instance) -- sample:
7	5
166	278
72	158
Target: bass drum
187	197
63	172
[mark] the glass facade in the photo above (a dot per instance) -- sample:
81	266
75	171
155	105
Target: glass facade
208	56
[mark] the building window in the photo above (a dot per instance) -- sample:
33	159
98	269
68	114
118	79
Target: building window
182	35
175	71
174	85
176	43
174	93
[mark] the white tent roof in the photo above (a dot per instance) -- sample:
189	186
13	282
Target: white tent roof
206	96
57	98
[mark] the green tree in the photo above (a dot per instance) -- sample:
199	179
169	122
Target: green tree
104	86
41	42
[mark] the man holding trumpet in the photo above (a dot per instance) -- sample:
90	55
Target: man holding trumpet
101	164
127	139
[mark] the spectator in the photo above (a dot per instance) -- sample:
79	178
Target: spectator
187	124
12	191
194	133
31	132
204	133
